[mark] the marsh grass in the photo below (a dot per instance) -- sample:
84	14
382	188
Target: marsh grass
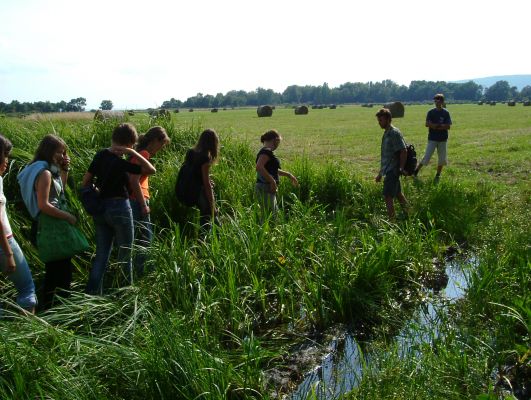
216	310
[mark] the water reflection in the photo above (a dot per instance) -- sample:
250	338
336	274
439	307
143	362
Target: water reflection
341	369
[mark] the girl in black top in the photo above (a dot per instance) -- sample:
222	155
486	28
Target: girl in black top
268	171
202	156
116	223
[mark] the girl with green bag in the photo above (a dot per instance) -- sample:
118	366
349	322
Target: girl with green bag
57	237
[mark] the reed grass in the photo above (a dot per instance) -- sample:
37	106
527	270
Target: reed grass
215	311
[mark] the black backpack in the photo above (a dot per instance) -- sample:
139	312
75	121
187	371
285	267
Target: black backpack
186	188
411	160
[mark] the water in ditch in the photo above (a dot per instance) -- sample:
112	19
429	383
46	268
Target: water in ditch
340	369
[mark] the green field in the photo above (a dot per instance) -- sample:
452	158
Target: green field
219	313
350	134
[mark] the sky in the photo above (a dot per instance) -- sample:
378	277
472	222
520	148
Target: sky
140	53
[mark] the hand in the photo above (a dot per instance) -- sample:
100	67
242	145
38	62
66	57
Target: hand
11	265
378	178
294	180
401	171
273	187
146	210
71	219
65	165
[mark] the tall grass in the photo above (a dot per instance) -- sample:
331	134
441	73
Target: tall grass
215	311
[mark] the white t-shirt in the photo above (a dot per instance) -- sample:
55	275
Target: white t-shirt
3	212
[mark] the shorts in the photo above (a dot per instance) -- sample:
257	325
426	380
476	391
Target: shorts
391	187
441	152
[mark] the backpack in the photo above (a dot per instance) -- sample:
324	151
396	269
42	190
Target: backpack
186	188
411	160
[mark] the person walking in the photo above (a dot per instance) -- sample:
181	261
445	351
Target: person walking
438	121
42	184
115	224
393	159
148	145
13	264
268	172
199	160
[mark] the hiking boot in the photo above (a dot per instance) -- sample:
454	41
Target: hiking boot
437	179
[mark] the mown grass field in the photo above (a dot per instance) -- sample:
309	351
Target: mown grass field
486	142
218	313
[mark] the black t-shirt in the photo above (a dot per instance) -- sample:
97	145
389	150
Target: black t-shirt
272	165
111	174
436	116
197	160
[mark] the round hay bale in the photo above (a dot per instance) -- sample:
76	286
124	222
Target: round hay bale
264	111
527	103
190	110
333	106
214	110
480	103
511	103
396	108
314	107
301	110
176	111
492	103
107	115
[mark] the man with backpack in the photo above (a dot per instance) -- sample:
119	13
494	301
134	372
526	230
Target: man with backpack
392	163
438	121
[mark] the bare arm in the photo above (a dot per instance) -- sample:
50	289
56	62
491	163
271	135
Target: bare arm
292	178
146	167
42	187
437	127
261	169
207	184
6	248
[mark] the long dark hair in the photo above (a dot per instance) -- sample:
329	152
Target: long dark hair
47	148
157	133
5	148
208	144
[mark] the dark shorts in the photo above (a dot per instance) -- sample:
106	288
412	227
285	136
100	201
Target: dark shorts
391	186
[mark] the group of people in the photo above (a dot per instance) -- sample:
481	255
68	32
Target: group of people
121	175
394	152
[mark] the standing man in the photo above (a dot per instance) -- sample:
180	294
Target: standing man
393	160
438	121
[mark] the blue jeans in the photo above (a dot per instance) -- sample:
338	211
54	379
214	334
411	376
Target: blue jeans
143	236
21	278
116	223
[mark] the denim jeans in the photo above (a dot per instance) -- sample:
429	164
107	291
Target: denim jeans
143	236
21	278
114	225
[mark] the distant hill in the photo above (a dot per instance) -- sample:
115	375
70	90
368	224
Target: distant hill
514	80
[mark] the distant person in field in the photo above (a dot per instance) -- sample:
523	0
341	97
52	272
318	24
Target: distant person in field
13	264
268	172
45	179
115	225
392	162
439	122
148	145
201	158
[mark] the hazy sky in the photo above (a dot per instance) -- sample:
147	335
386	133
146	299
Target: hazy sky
140	53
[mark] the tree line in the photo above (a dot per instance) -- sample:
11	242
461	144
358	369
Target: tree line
370	92
358	92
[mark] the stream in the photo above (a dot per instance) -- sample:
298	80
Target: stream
341	367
